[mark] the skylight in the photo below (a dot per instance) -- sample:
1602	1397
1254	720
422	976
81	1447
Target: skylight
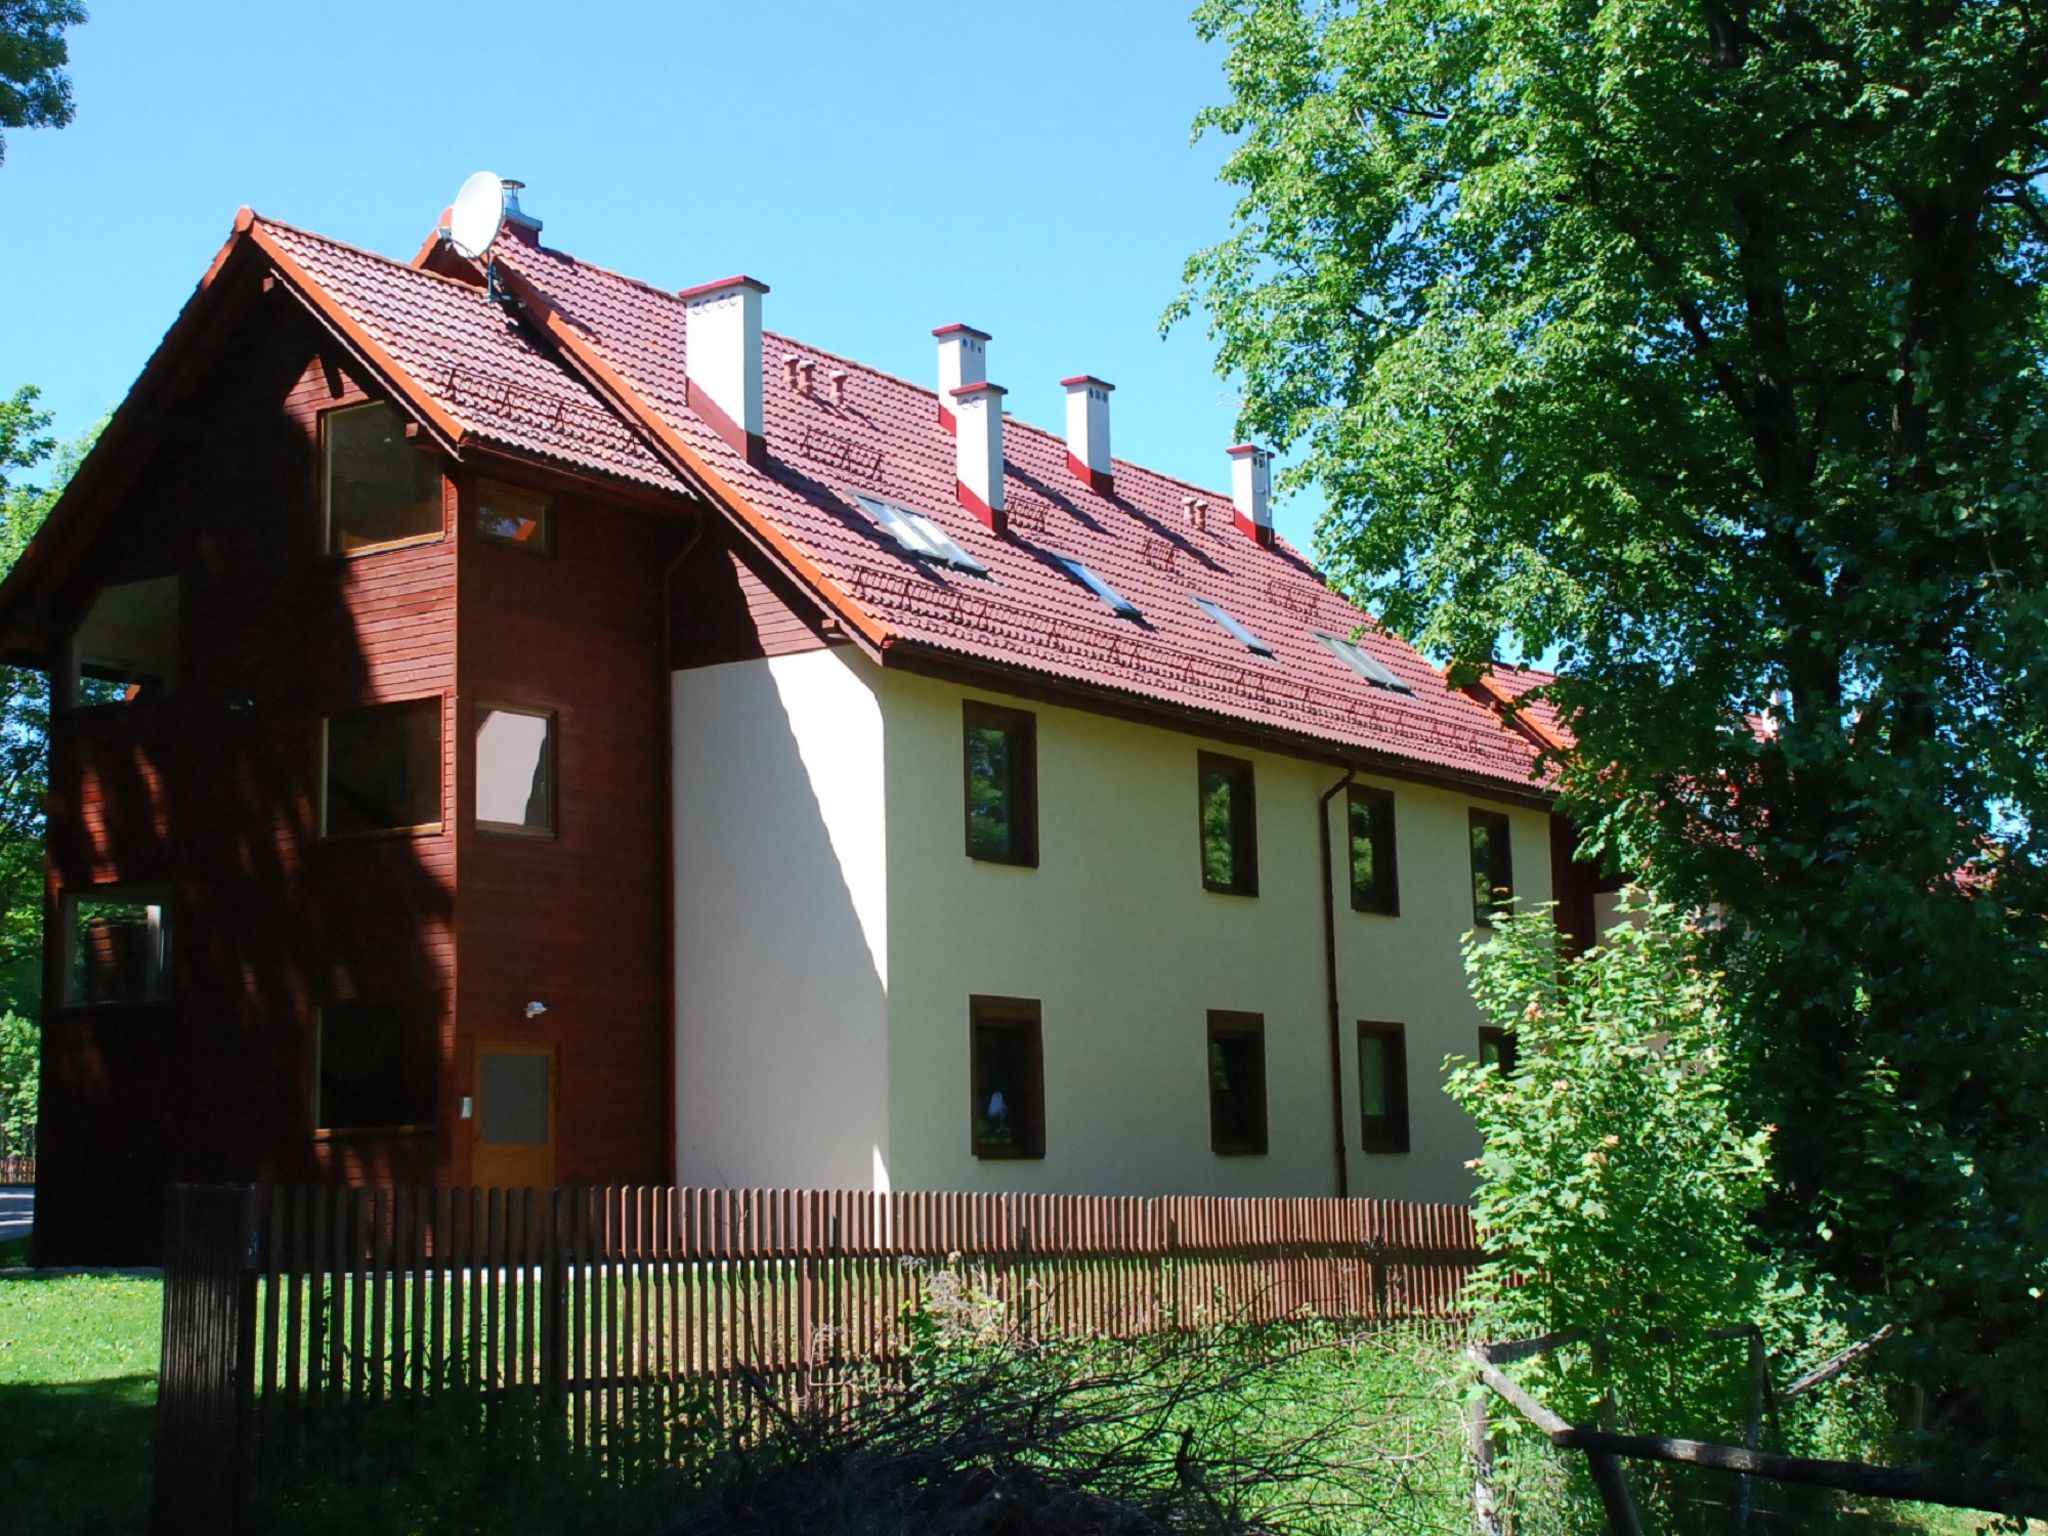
1251	641
1364	663
918	534
1119	605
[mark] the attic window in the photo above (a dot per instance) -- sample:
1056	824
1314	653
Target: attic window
918	534
381	491
1364	663
1237	631
127	648
1119	605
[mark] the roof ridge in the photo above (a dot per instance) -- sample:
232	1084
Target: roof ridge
363	251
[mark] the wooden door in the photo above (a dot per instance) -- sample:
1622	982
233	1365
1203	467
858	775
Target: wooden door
514	1116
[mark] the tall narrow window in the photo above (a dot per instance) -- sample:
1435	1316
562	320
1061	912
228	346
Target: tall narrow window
1493	866
1375	885
1008	1078
515	770
1497	1048
380	490
383	769
118	945
126	650
378	1065
1229	824
1237	1083
1001	747
1383	1086
505	514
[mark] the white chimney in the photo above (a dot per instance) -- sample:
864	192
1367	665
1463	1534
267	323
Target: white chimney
1251	491
963	360
1088	431
978	451
723	321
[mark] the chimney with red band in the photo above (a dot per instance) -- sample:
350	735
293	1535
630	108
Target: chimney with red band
723	321
1251	491
1088	431
978	451
963	360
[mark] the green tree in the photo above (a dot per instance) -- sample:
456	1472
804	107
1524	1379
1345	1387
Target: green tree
25	446
34	90
1701	340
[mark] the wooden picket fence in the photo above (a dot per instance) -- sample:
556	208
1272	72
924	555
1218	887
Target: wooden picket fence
291	1313
17	1170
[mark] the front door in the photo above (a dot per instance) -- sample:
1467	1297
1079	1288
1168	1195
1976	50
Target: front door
515	1117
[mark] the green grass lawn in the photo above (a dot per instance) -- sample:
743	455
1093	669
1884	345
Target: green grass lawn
78	1364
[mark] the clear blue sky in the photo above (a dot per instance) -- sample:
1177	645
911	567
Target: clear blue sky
884	167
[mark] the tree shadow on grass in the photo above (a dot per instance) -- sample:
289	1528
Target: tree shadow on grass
75	1457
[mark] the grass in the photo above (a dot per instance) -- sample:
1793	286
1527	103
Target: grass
78	1366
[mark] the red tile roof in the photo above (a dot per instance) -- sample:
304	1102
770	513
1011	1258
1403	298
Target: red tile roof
1511	685
1027	615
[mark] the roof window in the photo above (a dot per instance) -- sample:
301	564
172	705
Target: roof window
1119	605
918	534
1237	631
1364	663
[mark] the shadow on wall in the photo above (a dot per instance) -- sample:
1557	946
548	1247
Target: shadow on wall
781	970
212	795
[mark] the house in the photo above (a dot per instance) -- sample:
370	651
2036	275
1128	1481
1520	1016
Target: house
529	725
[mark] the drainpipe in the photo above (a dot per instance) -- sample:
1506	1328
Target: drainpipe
668	802
1330	979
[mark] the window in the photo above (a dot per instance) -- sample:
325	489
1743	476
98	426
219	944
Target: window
1230	826
504	514
381	490
1237	631
1009	1078
118	945
1001	748
1375	883
1237	1083
383	769
515	770
918	534
1119	605
1493	866
379	1065
1364	663
126	651
1497	1048
1383	1086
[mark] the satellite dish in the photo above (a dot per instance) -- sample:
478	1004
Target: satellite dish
478	215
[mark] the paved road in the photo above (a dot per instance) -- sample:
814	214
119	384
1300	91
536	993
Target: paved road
17	1210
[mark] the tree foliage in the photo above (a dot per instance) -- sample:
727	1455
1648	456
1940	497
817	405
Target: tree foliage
34	90
1701	341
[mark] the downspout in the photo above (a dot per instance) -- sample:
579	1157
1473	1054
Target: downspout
1330	979
668	802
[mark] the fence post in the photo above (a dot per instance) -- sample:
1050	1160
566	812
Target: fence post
1479	1443
554	1314
1612	1482
1753	1432
204	1383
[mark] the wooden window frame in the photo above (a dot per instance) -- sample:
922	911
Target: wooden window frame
1482	916
1391	1134
513	828
423	829
64	700
1243	770
323	467
1019	725
1023	1014
471	502
323	1133
144	895
1228	1024
1390	906
1505	1049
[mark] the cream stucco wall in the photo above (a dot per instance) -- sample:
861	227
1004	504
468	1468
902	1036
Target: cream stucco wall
1126	951
781	918
831	929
